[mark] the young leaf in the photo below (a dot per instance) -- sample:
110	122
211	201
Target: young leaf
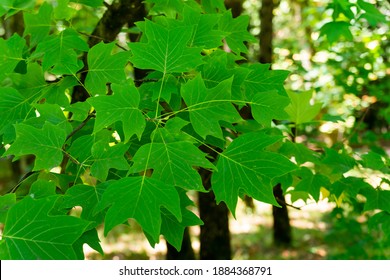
172	163
209	106
300	109
166	50
104	67
268	106
45	144
122	106
245	167
30	233
140	198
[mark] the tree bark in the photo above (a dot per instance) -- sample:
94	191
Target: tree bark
281	227
186	252
214	234
107	29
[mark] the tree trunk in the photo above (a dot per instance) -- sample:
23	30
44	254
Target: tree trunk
186	252
281	228
214	234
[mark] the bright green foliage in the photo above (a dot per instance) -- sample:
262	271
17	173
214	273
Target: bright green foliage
209	106
35	234
45	144
300	109
58	51
140	198
166	50
104	67
121	106
132	148
246	166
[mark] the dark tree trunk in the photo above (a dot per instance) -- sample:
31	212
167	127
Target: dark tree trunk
186	252
281	228
214	234
116	16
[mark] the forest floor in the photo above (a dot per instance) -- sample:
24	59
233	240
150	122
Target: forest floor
251	236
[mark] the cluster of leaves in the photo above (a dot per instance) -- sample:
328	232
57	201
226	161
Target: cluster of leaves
132	150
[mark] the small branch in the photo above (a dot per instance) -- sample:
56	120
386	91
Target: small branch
79	127
286	204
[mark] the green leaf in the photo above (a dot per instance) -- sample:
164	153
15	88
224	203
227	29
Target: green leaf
209	106
38	25
107	157
300	152
245	167
374	161
11	54
45	144
104	67
301	110
122	106
6	202
12	7
167	49
87	197
172	229
140	198
262	79
13	108
268	106
217	68
311	183
213	6
335	30
205	34
372	15
42	188
172	163
92	3
59	53
170	8
376	199
339	162
30	233
237	30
